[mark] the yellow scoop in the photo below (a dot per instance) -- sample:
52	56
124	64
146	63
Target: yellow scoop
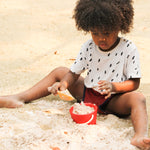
65	95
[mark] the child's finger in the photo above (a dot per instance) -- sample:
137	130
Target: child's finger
107	96
49	89
105	91
104	85
53	90
101	83
102	91
62	88
103	88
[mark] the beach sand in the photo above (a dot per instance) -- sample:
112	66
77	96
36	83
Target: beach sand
36	37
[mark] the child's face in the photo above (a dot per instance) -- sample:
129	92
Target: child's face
104	40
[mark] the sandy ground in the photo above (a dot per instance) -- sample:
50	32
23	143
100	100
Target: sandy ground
36	37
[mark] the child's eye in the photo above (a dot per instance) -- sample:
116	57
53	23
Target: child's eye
106	33
94	33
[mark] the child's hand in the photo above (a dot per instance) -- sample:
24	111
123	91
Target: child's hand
105	87
55	87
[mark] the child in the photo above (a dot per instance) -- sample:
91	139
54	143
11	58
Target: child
112	64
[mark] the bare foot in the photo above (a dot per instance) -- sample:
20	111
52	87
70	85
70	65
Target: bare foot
10	102
141	142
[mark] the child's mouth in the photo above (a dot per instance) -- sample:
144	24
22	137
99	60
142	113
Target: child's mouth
103	46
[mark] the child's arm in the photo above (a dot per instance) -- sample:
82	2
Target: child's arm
126	86
67	80
118	87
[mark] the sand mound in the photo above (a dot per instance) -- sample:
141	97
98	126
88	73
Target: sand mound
48	124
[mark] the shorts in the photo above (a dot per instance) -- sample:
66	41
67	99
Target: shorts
94	97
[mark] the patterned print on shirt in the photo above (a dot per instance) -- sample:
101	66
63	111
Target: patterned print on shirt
90	60
117	62
90	43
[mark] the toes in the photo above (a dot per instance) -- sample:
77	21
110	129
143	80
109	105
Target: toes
142	143
20	104
146	141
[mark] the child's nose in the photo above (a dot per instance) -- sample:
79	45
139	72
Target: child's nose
102	39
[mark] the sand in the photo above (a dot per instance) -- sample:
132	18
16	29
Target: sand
36	37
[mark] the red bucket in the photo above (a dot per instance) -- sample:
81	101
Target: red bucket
89	118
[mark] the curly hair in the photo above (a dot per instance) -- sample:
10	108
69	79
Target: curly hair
110	15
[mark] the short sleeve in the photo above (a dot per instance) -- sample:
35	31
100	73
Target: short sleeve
132	64
80	64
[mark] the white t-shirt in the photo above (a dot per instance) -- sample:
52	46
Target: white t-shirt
117	65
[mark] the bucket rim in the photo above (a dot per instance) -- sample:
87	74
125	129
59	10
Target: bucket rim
87	104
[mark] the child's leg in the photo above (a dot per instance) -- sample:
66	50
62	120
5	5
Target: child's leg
134	103
40	89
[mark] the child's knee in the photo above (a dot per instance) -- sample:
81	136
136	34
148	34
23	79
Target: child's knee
61	69
141	98
137	98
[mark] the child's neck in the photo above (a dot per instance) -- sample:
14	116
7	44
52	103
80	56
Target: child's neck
112	47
